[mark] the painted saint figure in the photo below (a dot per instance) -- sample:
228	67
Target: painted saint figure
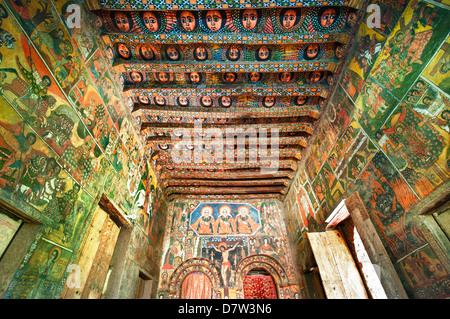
205	223
225	223
245	224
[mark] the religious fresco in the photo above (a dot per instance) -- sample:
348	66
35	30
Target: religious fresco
65	137
418	34
387	137
226	234
149	54
251	20
138	79
48	264
208	4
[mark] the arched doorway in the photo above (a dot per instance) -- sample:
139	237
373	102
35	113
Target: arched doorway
196	285
259	284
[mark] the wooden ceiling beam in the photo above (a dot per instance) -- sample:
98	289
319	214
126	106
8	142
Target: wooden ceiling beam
226	190
121	66
257	38
225	182
249	174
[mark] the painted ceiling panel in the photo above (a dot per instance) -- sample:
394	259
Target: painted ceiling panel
227	93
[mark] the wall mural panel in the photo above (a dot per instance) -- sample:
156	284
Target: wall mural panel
227	234
387	138
65	141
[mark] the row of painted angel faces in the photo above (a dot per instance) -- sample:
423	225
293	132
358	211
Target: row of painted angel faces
313	77
217	20
232	52
222	101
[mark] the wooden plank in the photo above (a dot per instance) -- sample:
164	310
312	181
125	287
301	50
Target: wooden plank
8	228
351	279
87	253
373	283
100	266
340	276
328	270
378	255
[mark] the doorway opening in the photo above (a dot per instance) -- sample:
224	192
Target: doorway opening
259	284
196	285
17	233
102	255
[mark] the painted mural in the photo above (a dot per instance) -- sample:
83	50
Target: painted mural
66	139
250	20
385	135
226	236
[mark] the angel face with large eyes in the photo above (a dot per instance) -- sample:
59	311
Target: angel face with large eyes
136	77
163	77
123	51
194	77
147	52
285	77
122	22
269	101
233	53
159	100
206	101
249	19
229	77
327	18
183	101
315	76
255	77
263	53
225	101
289	18
213	20
200	53
150	21
187	20
312	51
172	54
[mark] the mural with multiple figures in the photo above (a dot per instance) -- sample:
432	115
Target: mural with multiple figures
232	238
250	20
66	139
386	136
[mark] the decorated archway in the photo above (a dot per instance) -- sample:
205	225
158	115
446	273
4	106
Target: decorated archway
194	266
267	263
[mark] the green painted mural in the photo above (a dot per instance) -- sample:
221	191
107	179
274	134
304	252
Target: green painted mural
385	135
66	139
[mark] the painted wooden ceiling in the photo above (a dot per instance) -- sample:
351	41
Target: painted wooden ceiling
234	66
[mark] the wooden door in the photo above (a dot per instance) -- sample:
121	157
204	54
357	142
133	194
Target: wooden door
94	257
8	228
144	287
338	272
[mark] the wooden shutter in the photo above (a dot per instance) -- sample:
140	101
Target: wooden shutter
337	269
